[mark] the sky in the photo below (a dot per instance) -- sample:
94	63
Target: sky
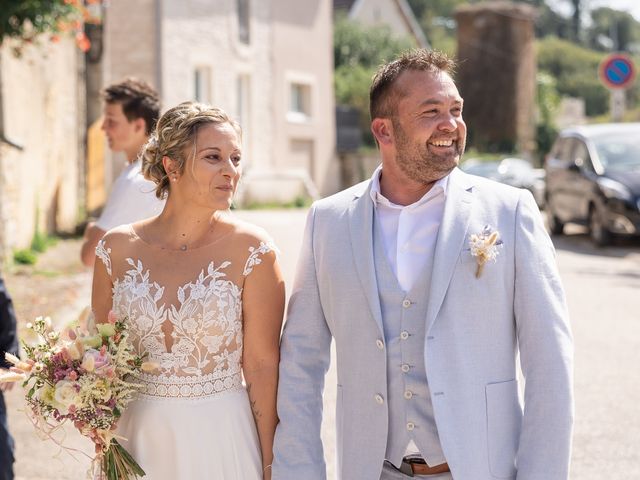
631	6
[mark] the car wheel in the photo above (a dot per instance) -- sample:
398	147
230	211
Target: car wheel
599	234
556	227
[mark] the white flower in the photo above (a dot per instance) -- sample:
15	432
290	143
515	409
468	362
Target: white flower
484	246
66	394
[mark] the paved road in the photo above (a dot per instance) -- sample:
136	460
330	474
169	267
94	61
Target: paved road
603	290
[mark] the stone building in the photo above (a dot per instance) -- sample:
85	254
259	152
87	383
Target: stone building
396	14
267	63
41	141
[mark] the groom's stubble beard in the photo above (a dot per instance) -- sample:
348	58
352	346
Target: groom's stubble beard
418	163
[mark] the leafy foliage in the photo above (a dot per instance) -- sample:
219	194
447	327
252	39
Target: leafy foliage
358	51
612	30
26	20
357	44
575	69
548	101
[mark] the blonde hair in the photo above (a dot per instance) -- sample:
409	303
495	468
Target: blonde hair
175	131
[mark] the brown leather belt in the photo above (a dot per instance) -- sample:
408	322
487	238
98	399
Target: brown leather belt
417	466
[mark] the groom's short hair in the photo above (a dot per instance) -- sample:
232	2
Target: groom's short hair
383	96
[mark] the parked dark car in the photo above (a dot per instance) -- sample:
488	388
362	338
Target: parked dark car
593	178
516	172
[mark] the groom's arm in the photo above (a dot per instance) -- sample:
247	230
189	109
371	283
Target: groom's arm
546	351
304	360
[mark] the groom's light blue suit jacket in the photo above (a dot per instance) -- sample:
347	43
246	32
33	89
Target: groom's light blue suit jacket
475	329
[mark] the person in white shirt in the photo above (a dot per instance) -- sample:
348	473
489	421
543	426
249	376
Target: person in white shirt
433	284
131	110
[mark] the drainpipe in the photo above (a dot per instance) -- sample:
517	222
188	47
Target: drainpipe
158	25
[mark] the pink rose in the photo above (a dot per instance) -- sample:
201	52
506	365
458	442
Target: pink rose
96	361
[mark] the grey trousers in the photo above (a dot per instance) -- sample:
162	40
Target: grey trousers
390	473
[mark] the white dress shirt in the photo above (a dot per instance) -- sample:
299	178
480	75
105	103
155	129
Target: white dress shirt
409	232
132	198
409	235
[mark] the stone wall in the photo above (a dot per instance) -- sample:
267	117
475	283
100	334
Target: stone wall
237	77
43	113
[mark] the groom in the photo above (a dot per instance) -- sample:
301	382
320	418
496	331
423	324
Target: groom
431	282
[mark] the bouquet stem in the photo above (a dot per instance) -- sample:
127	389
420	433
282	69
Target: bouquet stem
118	464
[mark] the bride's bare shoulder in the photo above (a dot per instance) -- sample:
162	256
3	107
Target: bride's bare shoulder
120	238
246	233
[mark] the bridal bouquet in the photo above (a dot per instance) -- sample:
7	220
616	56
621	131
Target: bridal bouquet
83	377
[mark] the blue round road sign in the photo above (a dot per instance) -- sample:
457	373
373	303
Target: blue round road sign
617	71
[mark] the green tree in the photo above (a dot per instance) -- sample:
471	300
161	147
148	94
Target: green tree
358	44
612	30
575	69
358	51
26	20
547	101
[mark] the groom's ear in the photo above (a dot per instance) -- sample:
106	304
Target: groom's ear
382	130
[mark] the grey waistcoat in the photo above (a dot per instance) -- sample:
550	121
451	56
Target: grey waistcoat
408	397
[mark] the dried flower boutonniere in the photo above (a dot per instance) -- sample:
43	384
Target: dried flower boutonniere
484	246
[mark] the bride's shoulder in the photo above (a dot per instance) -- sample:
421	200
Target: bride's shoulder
119	242
249	238
120	235
247	233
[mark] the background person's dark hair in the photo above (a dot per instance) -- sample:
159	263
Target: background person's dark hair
383	96
138	100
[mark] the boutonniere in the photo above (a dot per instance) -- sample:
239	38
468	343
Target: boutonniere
484	246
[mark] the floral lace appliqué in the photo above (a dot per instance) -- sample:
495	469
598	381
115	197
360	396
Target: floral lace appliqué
254	256
205	346
102	252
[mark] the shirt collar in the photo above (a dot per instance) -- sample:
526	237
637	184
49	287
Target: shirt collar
439	188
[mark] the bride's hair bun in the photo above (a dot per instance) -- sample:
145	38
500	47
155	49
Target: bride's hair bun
174	137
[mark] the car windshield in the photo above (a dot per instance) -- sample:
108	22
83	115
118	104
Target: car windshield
619	151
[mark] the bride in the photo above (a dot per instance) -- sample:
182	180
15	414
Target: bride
203	296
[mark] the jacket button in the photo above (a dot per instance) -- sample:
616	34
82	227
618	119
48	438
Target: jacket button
406	303
410	426
408	394
379	399
405	368
380	344
404	335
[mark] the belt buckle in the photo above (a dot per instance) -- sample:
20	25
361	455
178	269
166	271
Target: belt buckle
405	468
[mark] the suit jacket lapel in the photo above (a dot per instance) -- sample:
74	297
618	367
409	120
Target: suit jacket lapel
451	237
361	228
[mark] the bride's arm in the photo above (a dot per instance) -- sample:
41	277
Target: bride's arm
263	308
101	299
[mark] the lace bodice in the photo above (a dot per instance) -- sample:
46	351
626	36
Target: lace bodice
187	317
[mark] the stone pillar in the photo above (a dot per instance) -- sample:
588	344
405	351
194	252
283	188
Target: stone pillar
496	75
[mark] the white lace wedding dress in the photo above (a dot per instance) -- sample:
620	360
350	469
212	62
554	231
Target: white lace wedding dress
184	309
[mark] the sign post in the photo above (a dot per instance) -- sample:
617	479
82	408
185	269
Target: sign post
617	73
